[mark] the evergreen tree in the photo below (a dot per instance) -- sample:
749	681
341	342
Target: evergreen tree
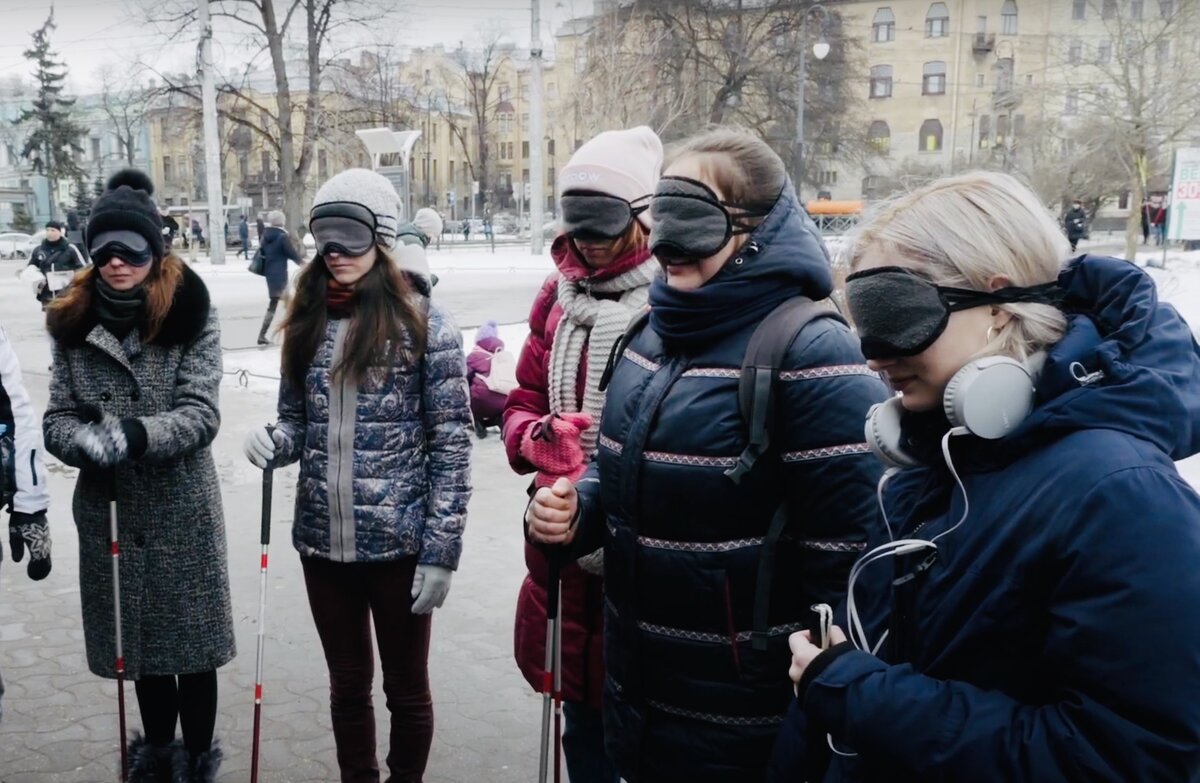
98	188
22	220
53	141
83	195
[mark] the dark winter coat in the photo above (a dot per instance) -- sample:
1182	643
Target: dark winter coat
688	697
244	233
60	256
1076	223
582	608
1057	635
277	250
175	606
385	465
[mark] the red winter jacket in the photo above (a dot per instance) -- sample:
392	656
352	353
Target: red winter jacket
582	593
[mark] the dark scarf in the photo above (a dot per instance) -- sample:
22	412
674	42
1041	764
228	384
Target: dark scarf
119	311
337	299
728	303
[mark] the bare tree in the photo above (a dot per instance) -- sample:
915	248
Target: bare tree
1137	76
472	79
373	92
126	103
288	121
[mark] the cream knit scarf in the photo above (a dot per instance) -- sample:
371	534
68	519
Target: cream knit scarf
596	323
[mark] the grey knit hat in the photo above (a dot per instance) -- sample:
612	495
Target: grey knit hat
371	190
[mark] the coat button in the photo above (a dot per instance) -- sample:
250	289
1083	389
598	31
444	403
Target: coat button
106	397
135	395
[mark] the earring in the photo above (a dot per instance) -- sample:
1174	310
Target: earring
991	332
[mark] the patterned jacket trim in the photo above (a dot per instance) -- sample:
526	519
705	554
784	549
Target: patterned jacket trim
833	371
834	546
713	372
610	444
641	361
699	546
715	638
720	720
691	460
811	455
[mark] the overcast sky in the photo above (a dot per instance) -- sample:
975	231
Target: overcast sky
93	33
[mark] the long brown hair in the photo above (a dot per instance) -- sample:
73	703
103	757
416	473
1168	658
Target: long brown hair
387	324
67	312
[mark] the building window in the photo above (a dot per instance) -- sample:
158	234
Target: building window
1008	18
1018	129
525	91
879	136
1167	8
451	172
937	21
322	164
1002	123
550	147
265	165
1136	9
550	177
162	127
1072	106
870	186
168	175
933	78
980	80
243	164
95	149
881	81
1109	9
985	132
525	150
505	93
435	169
1075	52
1104	52
827	178
525	123
883	26
981	25
931	136
1079	10
1004	74
181	167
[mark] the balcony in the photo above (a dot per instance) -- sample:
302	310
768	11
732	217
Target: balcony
984	43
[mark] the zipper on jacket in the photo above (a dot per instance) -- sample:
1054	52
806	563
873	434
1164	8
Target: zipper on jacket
33	465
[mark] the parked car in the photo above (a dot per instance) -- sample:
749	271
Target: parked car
15	244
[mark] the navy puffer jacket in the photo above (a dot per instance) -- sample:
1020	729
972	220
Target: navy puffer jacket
688	697
384	464
1056	637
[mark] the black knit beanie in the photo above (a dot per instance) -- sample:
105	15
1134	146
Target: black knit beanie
125	205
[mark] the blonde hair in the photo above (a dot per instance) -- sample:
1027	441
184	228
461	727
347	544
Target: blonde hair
965	230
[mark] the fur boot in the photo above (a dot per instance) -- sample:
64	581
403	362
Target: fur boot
201	768
151	763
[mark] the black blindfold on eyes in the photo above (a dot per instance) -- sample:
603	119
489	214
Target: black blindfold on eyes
691	223
899	314
342	227
588	215
129	246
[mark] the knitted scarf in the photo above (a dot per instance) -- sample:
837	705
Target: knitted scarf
596	323
118	311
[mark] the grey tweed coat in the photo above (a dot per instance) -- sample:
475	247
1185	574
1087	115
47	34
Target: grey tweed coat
175	607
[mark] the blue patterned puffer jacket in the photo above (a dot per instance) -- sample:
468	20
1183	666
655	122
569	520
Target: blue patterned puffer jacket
385	463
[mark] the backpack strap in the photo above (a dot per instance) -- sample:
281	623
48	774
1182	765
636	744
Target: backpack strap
614	356
764	354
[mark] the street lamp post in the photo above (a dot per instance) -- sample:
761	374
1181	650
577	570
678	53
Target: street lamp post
820	51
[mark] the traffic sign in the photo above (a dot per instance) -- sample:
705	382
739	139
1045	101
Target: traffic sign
1184	211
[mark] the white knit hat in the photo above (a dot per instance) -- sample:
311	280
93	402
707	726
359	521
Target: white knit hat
371	190
621	163
429	222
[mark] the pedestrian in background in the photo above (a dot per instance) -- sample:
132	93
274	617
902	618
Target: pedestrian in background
551	421
243	238
1040	409
368	365
197	234
1075	223
491	376
277	250
692	643
1162	219
56	259
1147	214
134	406
260	226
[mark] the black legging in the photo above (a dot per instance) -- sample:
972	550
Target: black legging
192	700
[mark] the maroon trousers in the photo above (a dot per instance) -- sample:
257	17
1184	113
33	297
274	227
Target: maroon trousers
345	598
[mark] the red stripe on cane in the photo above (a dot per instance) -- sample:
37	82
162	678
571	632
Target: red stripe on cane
547	682
257	693
264	562
120	665
116	549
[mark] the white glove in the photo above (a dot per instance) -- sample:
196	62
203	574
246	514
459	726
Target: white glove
431	585
260	445
33	277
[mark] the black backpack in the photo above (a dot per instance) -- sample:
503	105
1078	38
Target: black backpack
756	398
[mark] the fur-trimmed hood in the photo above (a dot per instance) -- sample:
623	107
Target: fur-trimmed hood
184	322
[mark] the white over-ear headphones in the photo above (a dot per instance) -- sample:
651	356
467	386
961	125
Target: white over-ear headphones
989	398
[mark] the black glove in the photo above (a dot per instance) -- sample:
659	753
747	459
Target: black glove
30	530
107	440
